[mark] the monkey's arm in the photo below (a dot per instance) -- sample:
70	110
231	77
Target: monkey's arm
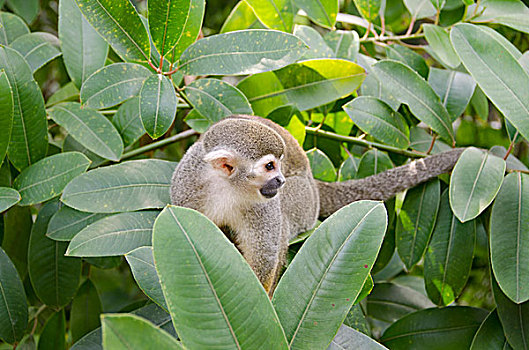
382	186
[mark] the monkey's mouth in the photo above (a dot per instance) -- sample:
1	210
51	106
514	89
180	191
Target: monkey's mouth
268	192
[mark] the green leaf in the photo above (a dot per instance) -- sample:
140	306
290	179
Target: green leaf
241	52
216	99
349	338
366	289
157	105
241	17
47	178
453	88
125	78
167	19
8	198
416	221
513	318
29	136
151	312
475	181
509	230
17	229
376	118
435	329
67	92
438	4
321	166
120	25
114	235
90	128
344	43
439	41
86	307
373	162
420	8
11	27
127	121
71	145
54	277
490	334
510	13
274	14
390	302
127	331
7	112
318	48
83	50
348	169
37	48
409	57
141	262
369	9
53	336
512	163
304	85
322	12
420	141
411	89
192	27
14	308
497	72
283	115
373	86
328	273
129	186
27	9
188	250
448	258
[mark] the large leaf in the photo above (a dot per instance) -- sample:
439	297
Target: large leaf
497	72
115	235
344	43
83	50
409	57
201	274
390	302
275	14
416	221
167	19
318	48
6	111
322	12
141	262
68	222
514	318
439	41
127	331
29	137
420	8
120	25
216	99
474	183
157	105
490	335
53	336
510	13
37	48
327	274
47	178
151	312
86	307
90	128
27	9
241	52
453	88
509	236
129	186
373	162
305	85
435	329
349	338
405	84
192	27
8	198
13	308
11	27
54	277
241	17
113	84
449	255
376	118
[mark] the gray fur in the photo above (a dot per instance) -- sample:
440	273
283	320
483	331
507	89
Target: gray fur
259	227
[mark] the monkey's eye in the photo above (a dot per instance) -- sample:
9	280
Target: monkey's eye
270	166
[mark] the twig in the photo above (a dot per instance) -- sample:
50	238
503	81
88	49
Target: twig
358	141
431	144
509	150
394	37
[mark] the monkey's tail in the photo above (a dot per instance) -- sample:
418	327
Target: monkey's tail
382	186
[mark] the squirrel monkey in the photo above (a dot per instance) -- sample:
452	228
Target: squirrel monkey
253	180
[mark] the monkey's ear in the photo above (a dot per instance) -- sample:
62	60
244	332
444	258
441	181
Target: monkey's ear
221	160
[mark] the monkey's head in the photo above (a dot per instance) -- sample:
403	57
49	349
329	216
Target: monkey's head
245	155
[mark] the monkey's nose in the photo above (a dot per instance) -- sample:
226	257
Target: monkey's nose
280	181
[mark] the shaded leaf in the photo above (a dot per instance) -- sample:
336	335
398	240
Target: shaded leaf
8	198
409	57
37	48
241	17
490	334
127	121
86	307
17	229
373	162
7	112
27	9
321	166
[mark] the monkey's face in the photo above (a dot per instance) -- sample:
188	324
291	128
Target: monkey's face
252	180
